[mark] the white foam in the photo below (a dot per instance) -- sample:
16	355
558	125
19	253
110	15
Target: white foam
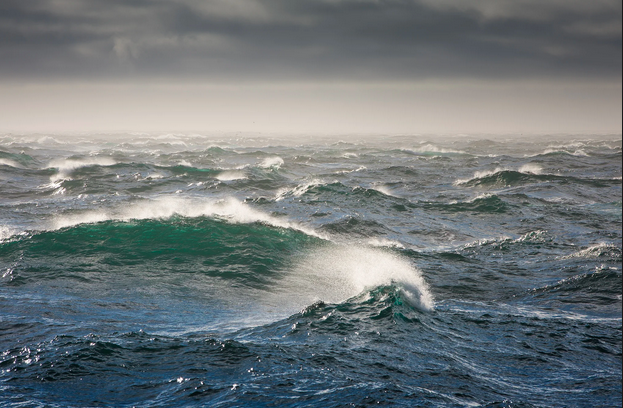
591	252
530	168
272	163
479	175
7	232
533	236
335	274
384	242
230	175
228	209
10	163
360	168
430	148
66	166
563	149
384	190
298	190
49	140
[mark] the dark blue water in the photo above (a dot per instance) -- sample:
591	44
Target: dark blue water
192	270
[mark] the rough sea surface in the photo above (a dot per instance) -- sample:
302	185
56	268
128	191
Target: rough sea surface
186	270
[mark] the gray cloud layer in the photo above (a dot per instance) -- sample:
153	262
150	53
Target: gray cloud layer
310	39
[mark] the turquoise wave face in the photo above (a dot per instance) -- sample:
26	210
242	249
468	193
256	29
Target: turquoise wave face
246	253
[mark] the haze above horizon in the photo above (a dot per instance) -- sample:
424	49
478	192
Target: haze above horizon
330	66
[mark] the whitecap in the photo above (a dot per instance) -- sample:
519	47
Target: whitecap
231	175
384	190
298	190
530	168
594	251
228	209
360	168
335	274
430	148
272	163
479	175
7	232
10	163
563	149
384	243
66	166
49	140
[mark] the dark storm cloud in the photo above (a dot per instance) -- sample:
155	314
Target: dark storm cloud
310	39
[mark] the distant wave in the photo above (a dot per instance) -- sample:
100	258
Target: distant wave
67	166
272	163
320	187
231	175
360	168
529	173
486	203
299	190
431	150
16	160
532	237
602	250
527	169
557	151
593	284
356	227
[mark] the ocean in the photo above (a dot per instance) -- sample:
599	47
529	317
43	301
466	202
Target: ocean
254	270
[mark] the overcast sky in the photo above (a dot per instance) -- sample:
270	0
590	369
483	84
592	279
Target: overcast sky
375	66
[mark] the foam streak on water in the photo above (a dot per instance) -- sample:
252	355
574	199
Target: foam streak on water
227	270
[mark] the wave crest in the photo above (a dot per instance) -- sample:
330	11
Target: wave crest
602	250
335	274
228	209
67	166
501	175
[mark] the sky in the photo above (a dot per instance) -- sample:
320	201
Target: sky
305	66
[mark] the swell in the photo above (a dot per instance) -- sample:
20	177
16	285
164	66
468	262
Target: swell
320	191
336	191
489	204
17	160
104	175
595	288
507	178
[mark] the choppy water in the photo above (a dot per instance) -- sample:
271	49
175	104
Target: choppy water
189	270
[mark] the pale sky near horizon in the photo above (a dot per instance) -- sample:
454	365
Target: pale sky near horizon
304	66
